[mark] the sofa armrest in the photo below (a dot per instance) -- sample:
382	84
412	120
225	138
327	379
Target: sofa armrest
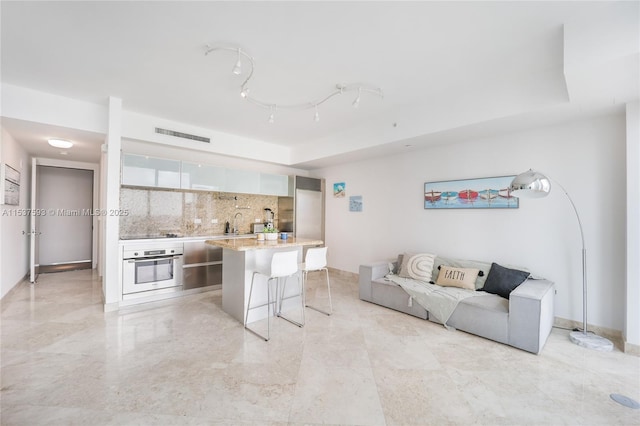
531	314
368	273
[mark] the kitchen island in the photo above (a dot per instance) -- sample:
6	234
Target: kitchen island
239	260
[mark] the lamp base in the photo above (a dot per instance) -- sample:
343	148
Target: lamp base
591	341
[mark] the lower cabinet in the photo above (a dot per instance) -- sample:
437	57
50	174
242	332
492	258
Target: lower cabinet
202	265
201	276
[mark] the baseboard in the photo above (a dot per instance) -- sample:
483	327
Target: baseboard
111	307
631	349
65	267
15	287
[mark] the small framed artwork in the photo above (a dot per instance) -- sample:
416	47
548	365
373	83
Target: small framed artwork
10	185
355	203
481	193
339	189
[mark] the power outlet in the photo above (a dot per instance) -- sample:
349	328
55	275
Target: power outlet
197	221
257	220
214	221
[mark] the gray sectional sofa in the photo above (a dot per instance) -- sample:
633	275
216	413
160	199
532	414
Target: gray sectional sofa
524	320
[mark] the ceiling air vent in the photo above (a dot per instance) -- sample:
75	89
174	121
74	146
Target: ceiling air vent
182	135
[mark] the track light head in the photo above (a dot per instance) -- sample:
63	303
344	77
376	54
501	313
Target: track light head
356	101
272	118
237	68
244	92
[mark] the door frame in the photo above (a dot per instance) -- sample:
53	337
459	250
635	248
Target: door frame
96	196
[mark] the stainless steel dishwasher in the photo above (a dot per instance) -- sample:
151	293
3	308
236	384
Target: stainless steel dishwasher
202	265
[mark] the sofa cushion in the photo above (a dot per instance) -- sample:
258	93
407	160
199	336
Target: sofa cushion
391	295
419	266
502	281
457	277
485	315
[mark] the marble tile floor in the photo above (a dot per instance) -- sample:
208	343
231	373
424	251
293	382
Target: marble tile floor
185	362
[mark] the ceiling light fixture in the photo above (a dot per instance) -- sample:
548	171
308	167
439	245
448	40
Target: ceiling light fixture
250	65
60	143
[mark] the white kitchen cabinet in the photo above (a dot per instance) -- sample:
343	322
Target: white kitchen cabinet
203	176
242	181
274	184
141	170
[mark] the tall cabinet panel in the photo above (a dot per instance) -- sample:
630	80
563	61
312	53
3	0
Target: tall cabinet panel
304	212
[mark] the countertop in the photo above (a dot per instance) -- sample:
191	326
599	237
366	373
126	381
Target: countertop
244	244
187	238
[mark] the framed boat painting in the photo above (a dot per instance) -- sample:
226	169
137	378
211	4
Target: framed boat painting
482	193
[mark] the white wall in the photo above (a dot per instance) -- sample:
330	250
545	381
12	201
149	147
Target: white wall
14	246
632	330
586	157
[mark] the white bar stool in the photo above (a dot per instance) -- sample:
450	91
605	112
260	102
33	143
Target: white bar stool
316	260
283	264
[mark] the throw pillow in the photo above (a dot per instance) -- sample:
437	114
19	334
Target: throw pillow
419	267
462	263
502	281
402	271
398	266
457	277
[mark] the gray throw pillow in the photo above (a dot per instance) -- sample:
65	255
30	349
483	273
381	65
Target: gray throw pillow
502	281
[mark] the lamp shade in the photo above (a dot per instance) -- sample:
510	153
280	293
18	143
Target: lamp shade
530	184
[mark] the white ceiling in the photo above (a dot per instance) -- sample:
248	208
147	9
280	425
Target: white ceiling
443	66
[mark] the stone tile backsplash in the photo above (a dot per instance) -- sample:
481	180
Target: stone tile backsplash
161	211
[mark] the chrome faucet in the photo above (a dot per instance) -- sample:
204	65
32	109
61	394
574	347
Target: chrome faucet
235	222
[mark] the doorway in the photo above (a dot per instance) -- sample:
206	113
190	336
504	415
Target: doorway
66	231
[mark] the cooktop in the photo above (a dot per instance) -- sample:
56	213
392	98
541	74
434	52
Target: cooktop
149	236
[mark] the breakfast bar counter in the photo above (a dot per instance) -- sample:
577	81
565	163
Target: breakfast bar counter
244	244
239	260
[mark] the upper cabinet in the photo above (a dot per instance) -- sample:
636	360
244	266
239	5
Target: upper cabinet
203	176
274	184
140	170
243	181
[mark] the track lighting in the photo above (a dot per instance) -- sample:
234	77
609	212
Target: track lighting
237	68
271	116
356	102
250	64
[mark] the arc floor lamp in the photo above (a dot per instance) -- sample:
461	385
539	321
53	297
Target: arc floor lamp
532	184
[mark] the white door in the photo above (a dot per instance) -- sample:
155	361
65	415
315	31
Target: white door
65	238
33	233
